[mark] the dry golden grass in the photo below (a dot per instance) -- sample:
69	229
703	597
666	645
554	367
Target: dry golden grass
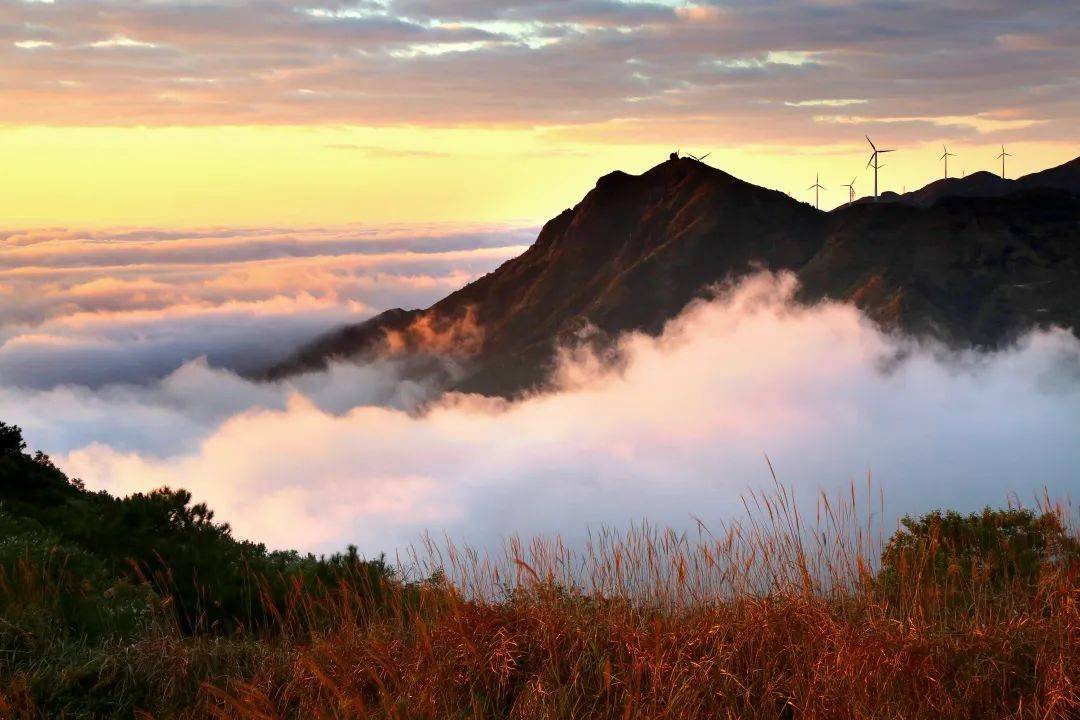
767	619
776	617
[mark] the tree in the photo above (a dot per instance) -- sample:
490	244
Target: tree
11	439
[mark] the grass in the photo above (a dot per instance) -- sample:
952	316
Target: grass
778	616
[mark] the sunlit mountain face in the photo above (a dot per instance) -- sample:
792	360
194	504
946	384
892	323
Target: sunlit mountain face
217	220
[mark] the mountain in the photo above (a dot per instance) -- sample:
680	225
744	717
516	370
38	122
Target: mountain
972	271
986	184
632	254
978	184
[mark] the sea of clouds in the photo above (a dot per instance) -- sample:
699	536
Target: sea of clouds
94	308
124	366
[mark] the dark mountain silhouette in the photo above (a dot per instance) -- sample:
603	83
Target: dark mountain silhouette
986	184
1062	177
972	271
978	184
969	271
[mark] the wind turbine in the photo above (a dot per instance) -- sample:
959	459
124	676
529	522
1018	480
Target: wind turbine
699	159
874	161
1002	157
945	156
851	190
817	187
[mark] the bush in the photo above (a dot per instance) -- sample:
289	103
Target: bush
961	556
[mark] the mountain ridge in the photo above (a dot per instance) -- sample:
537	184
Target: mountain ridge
638	248
987	184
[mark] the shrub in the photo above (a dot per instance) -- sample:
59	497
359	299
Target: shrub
960	557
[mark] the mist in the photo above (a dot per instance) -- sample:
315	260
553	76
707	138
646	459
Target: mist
675	431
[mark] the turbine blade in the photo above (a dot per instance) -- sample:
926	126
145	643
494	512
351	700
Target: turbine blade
871	143
705	155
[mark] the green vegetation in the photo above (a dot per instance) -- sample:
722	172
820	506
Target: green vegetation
86	580
213	581
961	553
145	607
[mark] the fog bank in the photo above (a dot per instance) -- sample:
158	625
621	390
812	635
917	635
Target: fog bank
679	429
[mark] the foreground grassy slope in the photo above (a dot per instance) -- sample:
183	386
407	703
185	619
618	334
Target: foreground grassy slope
145	607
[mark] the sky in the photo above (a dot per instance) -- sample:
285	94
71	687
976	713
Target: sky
194	113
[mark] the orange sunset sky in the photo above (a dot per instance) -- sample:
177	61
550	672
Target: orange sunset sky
234	112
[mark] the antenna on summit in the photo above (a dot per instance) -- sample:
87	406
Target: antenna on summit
1002	157
873	162
817	187
851	190
945	156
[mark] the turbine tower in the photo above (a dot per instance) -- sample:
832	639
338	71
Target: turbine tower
851	190
874	162
817	187
1002	157
945	156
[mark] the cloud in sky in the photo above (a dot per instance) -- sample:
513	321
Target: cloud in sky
680	428
101	307
530	62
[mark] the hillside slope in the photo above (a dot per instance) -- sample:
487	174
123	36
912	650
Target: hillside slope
968	271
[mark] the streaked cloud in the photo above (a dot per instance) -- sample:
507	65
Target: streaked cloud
827	102
122	41
531	62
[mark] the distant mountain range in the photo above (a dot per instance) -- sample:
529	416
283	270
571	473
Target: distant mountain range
973	262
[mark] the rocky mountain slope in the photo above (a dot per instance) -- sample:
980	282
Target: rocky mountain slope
968	270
